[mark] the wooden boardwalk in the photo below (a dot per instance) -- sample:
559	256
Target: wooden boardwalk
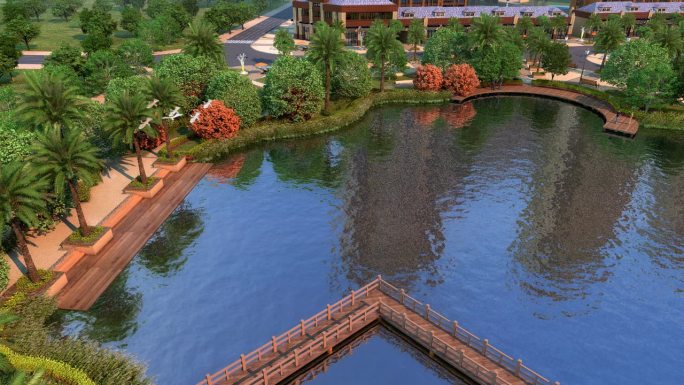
613	123
291	353
93	274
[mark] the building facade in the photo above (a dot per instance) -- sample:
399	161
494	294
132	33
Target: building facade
357	15
643	11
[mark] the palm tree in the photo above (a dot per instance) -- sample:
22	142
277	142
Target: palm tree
524	25
203	41
128	117
537	41
558	24
382	45
609	37
21	199
66	160
486	32
49	100
325	47
416	34
628	23
168	96
670	39
594	23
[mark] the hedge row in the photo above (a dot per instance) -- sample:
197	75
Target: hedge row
668	118
212	150
54	369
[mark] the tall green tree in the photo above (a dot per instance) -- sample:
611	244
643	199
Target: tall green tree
609	38
9	54
190	6
383	48
445	47
416	35
594	23
66	8
536	42
14	9
168	97
629	22
202	40
283	42
669	38
131	18
524	25
36	7
67	160
325	48
455	24
49	101
24	30
487	32
125	116
558	25
21	200
556	59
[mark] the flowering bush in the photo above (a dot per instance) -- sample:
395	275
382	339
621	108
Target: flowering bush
461	79
215	122
428	78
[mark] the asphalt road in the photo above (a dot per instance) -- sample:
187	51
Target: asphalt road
234	46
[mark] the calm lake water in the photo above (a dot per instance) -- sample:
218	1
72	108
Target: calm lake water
518	217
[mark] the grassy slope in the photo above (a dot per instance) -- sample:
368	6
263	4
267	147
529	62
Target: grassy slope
55	31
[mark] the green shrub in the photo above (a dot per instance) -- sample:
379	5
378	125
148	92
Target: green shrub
135	85
68	55
351	78
293	90
103	66
268	131
191	75
27	286
4	271
136	53
237	92
56	370
95	233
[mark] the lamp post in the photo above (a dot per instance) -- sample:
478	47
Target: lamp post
586	58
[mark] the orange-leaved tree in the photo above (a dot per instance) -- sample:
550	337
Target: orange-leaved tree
461	79
428	78
215	121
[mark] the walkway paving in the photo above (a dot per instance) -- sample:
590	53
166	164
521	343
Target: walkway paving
92	274
613	121
104	198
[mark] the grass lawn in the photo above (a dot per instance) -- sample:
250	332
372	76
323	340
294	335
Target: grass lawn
55	31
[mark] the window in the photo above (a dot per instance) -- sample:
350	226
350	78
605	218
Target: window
468	13
604	9
528	14
632	8
438	13
369	15
661	10
498	13
408	14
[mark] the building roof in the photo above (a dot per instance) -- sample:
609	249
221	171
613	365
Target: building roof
630	6
475	11
359	2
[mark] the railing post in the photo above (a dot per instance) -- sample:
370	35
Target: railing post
329	313
243	362
485	345
301	327
432	338
456	329
493	377
427	312
352	297
296	357
403	318
460	357
350	323
263	373
208	378
518	366
325	340
403	296
274	343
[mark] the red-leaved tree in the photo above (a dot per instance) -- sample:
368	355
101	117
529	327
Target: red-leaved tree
147	143
461	79
428	78
216	121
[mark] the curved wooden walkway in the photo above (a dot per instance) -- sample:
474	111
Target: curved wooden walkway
614	123
294	351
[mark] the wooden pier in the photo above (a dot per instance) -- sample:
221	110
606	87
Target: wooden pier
292	352
613	122
92	274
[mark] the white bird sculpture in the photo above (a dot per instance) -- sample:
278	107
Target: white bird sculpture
207	104
144	123
195	117
173	114
153	103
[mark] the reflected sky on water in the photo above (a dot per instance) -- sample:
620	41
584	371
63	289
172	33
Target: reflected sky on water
516	216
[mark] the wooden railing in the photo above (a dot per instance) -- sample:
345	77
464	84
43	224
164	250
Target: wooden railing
330	337
516	367
240	365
